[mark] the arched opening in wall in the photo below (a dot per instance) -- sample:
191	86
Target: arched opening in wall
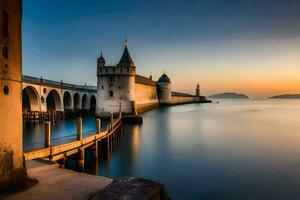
4	24
53	101
93	105
84	102
67	102
76	101
30	99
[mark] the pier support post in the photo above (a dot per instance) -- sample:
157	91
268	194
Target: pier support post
81	150
98	123
62	162
96	150
79	128
108	146
111	142
81	158
111	120
47	134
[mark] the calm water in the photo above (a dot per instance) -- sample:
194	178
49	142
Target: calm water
231	150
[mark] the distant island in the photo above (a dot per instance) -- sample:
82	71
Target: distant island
286	96
229	95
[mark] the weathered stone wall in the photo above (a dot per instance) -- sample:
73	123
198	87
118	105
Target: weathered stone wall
183	99
115	89
145	97
104	108
12	167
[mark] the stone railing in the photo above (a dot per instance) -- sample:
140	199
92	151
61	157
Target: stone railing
60	84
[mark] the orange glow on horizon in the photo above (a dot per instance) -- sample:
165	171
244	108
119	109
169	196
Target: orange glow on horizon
257	86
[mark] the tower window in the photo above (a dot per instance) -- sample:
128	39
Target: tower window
4	23
106	70
5	52
100	70
127	69
102	87
112	79
111	93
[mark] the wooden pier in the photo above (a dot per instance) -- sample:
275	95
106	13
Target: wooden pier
36	116
52	115
76	148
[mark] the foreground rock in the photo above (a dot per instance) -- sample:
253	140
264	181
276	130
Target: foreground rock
130	188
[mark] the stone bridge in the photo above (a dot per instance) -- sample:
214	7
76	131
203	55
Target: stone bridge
42	95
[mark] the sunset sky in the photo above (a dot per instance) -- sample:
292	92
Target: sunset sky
251	47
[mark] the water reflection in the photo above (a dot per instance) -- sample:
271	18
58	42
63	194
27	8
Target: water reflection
232	150
135	141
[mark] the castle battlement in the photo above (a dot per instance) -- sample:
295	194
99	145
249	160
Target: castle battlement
116	70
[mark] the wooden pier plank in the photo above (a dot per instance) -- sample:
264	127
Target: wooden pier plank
61	151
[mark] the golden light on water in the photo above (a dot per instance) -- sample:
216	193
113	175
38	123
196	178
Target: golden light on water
135	140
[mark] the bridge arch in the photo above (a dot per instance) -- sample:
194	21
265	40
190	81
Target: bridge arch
76	101
67	99
30	99
93	104
84	102
53	101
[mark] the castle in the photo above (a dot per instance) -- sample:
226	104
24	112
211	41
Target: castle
120	88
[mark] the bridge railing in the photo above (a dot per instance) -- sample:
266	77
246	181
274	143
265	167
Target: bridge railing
61	84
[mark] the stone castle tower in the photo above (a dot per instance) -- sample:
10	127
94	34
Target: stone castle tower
12	169
115	85
164	89
197	90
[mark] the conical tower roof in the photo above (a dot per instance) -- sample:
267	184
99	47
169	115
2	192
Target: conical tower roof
164	79
101	59
126	58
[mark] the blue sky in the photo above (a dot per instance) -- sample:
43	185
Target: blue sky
230	45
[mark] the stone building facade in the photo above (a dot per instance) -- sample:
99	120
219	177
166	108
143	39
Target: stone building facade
120	88
115	85
12	167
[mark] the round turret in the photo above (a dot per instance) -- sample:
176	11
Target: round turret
164	89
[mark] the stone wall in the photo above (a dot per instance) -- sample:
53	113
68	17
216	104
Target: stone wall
145	97
104	108
183	99
12	167
115	89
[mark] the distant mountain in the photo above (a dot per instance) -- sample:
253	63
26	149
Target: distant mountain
229	95
286	96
